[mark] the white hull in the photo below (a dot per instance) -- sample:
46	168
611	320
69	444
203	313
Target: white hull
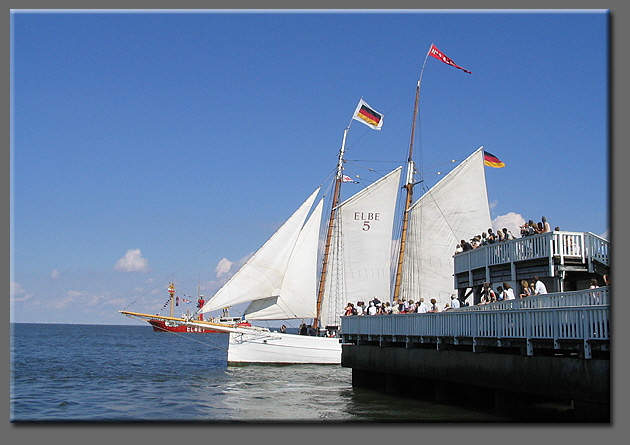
278	348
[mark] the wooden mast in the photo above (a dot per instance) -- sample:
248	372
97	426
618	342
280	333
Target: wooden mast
331	223
409	188
408	199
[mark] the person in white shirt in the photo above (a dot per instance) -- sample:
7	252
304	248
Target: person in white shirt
546	227
422	307
508	292
540	288
454	302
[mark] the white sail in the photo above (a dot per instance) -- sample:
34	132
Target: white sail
455	208
359	265
262	276
297	296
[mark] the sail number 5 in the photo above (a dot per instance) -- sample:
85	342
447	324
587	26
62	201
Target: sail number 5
367	218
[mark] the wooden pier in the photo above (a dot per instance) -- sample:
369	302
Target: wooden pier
538	359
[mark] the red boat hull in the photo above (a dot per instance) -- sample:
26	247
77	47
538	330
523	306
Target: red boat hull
161	326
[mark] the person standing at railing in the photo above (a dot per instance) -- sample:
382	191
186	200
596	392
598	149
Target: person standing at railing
525	291
487	294
508	292
532	228
546	226
422	307
434	306
466	246
454	302
594	295
539	286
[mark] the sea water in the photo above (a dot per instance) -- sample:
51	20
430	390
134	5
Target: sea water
104	373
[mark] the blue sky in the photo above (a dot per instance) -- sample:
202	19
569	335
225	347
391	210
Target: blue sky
150	147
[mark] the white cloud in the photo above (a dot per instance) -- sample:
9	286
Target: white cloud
17	292
510	221
84	299
16	289
55	274
223	267
132	262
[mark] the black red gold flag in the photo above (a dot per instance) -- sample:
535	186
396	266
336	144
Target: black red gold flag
368	115
491	160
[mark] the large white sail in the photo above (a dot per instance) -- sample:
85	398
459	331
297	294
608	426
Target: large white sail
455	208
262	276
297	296
360	262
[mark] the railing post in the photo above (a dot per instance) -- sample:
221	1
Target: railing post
550	256
586	333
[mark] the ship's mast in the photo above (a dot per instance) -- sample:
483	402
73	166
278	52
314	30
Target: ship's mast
409	191
171	291
331	222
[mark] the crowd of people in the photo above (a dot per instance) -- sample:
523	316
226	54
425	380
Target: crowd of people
505	292
489	237
487	296
401	306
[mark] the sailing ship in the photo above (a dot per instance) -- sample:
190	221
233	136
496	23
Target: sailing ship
280	279
290	277
171	324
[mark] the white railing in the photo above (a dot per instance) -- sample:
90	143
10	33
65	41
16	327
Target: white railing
575	323
580	315
574	245
597	248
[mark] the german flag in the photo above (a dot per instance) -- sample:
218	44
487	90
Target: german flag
491	160
370	117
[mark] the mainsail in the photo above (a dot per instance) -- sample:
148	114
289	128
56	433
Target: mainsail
360	263
452	210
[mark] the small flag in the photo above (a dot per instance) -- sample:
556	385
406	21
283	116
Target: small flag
347	178
186	301
370	117
433	51
491	160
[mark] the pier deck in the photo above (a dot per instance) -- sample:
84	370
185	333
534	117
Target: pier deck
510	357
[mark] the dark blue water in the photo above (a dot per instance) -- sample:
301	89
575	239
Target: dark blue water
101	373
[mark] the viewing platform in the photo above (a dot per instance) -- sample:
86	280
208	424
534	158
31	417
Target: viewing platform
511	357
564	261
568	324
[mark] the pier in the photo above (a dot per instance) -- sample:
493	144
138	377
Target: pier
541	358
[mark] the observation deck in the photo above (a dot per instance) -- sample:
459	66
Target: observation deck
564	261
510	356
